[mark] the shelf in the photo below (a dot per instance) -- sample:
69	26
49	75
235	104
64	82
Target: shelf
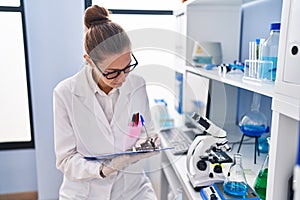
234	79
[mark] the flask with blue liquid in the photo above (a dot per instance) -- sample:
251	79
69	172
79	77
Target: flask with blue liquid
270	53
235	183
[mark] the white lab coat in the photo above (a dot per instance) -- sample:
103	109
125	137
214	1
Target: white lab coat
82	129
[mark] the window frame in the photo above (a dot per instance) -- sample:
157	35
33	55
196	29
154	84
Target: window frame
133	11
21	144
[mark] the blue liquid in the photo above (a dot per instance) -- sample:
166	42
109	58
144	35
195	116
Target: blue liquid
236	188
252	129
267	71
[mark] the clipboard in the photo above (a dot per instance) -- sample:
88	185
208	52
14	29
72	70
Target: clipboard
112	155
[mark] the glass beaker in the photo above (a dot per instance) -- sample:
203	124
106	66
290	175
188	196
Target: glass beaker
260	185
235	182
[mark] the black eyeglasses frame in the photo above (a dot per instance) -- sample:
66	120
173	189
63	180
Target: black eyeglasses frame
118	71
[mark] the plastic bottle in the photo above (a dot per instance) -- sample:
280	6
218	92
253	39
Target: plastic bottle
270	52
236	183
161	115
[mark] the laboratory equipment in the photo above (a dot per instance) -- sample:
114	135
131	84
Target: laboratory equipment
161	116
206	154
206	53
253	71
216	192
178	91
253	123
270	52
230	67
260	185
236	182
255	67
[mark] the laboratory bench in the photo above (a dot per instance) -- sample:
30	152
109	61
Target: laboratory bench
174	180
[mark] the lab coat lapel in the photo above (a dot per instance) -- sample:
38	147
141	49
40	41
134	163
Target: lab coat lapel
122	117
122	108
84	91
93	105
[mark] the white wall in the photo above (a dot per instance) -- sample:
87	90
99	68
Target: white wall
54	36
17	171
257	17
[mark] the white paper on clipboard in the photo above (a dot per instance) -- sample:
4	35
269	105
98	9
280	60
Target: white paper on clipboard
112	155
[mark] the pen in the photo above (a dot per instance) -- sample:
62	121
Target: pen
133	119
151	140
142	120
137	118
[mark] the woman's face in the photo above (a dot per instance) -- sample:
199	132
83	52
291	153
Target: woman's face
109	66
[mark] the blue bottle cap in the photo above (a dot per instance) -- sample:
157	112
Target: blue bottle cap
257	40
275	26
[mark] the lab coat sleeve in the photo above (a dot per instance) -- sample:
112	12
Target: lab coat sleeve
68	160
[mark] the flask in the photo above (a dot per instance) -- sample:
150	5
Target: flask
270	53
254	122
260	185
235	182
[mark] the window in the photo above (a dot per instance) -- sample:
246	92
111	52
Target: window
15	116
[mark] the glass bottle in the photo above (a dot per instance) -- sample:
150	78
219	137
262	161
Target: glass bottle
235	182
254	122
270	52
260	185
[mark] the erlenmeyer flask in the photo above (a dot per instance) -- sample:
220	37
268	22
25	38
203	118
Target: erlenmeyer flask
260	185
235	182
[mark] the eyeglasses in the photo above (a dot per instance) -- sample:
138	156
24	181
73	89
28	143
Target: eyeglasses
117	72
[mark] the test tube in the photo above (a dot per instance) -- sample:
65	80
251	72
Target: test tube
251	50
251	59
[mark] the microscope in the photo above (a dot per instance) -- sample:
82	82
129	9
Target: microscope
207	153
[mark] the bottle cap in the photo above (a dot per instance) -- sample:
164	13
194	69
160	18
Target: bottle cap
257	40
275	26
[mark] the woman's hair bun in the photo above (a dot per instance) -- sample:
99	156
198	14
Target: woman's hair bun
96	15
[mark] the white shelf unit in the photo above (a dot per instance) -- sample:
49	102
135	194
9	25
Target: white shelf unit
284	94
286	106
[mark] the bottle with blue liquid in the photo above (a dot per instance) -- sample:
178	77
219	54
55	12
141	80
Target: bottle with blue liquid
270	53
235	183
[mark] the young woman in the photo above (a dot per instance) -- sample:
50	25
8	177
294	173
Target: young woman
92	116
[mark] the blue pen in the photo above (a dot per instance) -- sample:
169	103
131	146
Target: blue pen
143	124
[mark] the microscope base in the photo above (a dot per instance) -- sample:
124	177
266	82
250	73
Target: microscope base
202	180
